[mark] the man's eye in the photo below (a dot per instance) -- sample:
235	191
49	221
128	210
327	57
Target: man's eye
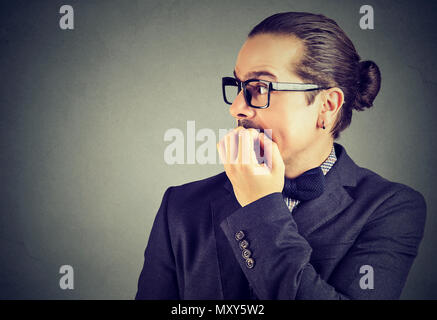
259	88
262	89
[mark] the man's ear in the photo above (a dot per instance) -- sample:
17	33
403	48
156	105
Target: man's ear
332	100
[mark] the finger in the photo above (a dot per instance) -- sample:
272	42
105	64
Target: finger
232	144
244	147
257	145
235	144
252	156
266	134
221	151
251	144
240	146
264	163
229	149
269	152
265	149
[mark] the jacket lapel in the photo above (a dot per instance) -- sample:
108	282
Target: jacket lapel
311	215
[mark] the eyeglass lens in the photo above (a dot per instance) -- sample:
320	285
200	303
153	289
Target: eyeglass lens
256	93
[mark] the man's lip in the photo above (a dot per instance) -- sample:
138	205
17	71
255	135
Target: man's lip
249	127
261	130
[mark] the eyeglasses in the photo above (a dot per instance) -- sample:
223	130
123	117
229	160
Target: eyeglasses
257	92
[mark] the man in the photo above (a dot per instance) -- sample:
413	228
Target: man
314	225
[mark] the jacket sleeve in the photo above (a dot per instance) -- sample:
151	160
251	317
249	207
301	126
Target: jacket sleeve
158	278
282	270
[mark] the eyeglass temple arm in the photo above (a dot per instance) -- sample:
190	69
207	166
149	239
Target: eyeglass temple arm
280	86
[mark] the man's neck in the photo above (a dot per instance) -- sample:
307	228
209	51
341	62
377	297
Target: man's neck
307	159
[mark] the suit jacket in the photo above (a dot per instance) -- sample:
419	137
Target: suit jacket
357	240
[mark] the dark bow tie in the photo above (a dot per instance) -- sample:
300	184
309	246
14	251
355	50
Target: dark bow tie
309	185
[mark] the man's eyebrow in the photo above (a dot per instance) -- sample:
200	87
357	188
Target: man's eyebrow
256	74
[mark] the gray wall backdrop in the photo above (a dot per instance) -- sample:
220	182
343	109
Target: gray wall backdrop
84	112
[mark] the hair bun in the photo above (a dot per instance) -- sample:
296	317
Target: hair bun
369	83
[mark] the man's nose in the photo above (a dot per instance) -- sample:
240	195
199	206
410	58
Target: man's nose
239	108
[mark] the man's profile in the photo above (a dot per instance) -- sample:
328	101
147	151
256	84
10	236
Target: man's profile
316	226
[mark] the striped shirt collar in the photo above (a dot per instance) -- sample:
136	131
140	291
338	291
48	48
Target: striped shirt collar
329	162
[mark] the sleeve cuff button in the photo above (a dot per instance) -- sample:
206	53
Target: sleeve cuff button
250	263
239	235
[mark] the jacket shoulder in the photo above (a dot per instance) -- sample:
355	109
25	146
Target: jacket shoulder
378	185
195	196
389	197
200	189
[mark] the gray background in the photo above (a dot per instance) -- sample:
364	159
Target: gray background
84	112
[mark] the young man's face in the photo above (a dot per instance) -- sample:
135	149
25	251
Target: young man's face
293	122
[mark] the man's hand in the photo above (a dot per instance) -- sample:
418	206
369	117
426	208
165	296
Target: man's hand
251	180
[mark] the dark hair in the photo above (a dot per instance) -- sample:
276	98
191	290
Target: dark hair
329	59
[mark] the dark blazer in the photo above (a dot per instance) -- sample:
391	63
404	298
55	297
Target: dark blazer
322	250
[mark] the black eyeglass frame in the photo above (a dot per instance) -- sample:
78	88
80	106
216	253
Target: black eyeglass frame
272	86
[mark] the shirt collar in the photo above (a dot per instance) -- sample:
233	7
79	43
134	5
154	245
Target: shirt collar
329	162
